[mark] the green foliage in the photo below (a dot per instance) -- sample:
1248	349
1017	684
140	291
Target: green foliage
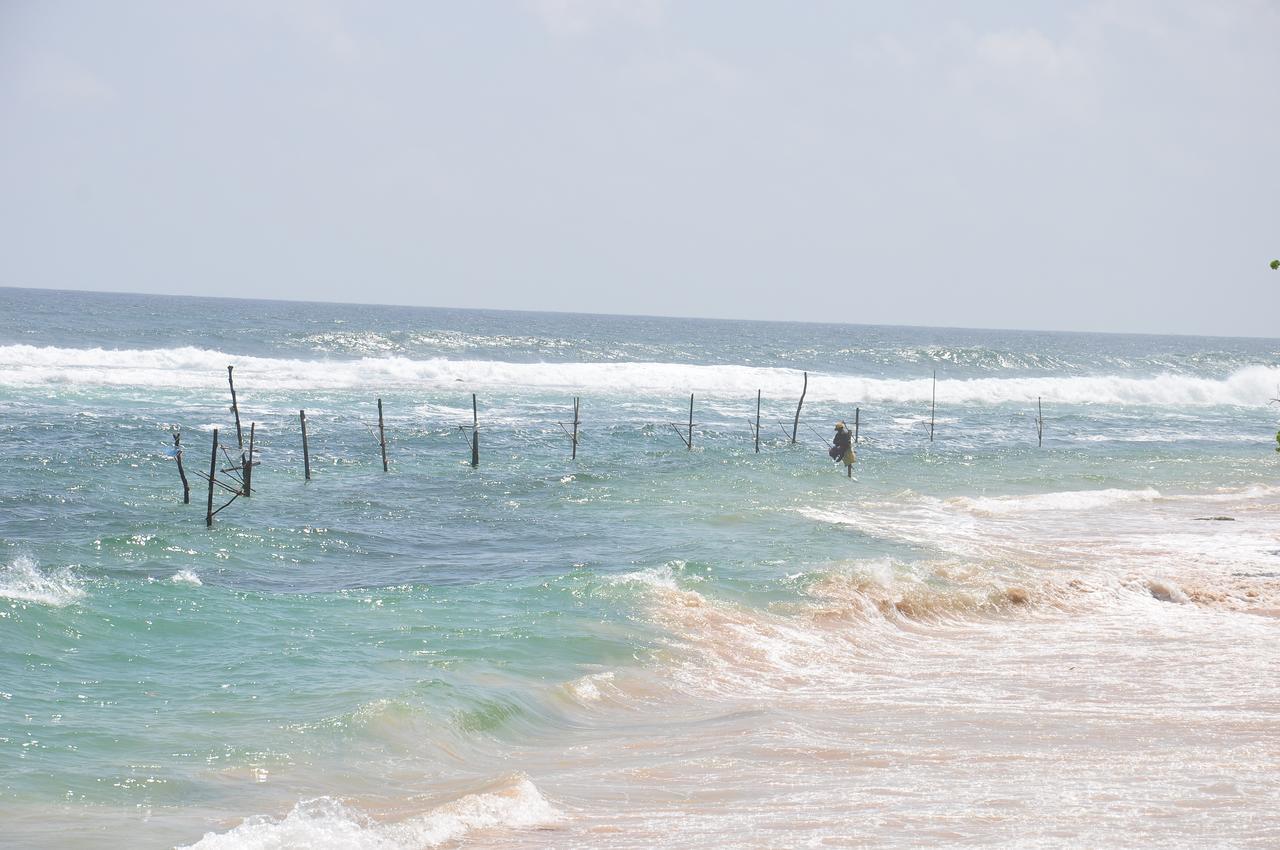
1275	264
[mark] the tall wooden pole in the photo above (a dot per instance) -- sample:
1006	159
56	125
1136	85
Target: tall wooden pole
475	433
306	456
1039	423
576	402
235	408
382	437
182	473
213	471
795	427
757	421
933	405
690	421
857	414
246	472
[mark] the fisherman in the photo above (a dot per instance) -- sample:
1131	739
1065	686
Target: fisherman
841	445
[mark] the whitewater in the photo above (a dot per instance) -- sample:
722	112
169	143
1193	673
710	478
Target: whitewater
193	368
978	640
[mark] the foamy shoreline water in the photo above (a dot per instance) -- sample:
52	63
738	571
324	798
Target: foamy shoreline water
978	641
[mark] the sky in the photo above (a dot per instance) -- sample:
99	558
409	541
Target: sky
1106	166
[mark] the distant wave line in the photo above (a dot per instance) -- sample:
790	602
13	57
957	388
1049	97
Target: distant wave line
204	369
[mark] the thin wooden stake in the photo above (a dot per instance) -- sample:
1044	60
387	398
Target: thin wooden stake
688	441
933	405
235	408
857	414
475	433
247	472
795	427
690	421
576	402
757	421
213	471
306	455
182	473
1039	423
382	437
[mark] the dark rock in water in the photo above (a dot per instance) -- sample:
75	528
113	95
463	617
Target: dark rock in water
1217	518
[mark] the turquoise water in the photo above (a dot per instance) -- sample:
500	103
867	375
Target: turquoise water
447	654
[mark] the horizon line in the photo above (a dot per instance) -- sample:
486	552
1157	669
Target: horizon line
628	315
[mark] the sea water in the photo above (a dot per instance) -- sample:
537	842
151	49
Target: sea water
977	640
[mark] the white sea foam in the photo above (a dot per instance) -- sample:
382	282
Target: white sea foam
587	688
186	577
26	365
1070	500
24	581
1163	589
663	577
329	823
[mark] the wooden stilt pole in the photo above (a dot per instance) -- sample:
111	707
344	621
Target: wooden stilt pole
246	472
933	405
306	455
857	414
576	402
475	433
235	408
382	437
213	471
795	427
1039	423
690	421
757	421
182	473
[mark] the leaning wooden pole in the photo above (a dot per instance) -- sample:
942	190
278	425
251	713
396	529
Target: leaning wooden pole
757	421
213	471
182	473
795	426
306	455
475	433
933	404
246	470
382	437
690	422
235	408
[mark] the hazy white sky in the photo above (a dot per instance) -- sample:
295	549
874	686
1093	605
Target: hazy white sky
1107	165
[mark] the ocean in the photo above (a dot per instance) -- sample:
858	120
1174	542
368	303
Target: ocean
977	640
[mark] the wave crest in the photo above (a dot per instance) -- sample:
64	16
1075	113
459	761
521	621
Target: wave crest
327	822
23	580
189	367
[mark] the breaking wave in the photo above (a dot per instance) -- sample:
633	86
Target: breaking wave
26	365
1071	500
23	580
330	823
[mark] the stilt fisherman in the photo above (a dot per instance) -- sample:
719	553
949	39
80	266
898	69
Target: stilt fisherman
842	445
